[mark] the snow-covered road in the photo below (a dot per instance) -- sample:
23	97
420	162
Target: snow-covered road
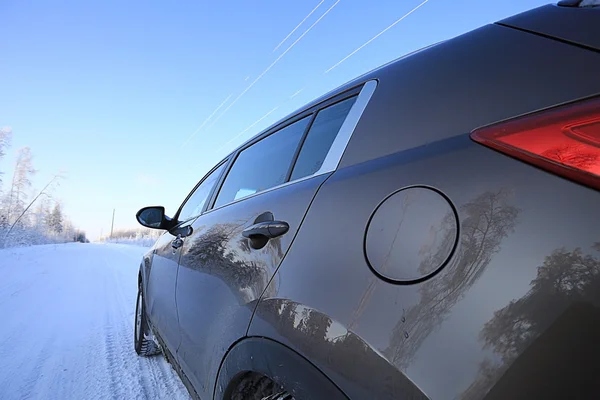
66	322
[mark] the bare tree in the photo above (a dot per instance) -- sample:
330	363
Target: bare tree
40	215
572	155
43	192
565	280
5	136
21	183
486	221
55	220
16	211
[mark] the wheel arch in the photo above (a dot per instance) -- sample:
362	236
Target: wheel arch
279	363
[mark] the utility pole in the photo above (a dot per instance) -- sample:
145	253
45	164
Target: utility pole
113	224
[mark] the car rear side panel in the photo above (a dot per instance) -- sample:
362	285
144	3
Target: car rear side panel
514	312
577	25
485	76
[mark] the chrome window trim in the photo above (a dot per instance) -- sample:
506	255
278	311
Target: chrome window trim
338	147
336	151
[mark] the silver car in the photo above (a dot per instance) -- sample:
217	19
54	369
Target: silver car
430	230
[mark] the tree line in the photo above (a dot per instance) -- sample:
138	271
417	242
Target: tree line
29	216
135	233
138	236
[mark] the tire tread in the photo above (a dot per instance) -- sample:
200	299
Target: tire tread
146	345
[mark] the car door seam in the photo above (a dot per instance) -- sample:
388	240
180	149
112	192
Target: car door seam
180	250
287	251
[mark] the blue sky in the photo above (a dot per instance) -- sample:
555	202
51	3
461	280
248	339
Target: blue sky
112	91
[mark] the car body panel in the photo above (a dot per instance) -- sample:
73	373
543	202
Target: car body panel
221	277
269	358
445	334
455	334
578	25
160	290
524	267
359	369
482	77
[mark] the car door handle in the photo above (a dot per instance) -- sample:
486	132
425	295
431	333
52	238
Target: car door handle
177	242
267	229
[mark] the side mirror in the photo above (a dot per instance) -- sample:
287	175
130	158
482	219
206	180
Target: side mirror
153	217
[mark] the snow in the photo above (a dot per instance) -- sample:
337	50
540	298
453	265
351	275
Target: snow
142	241
66	330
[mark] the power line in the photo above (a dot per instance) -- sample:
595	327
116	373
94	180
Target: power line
249	127
297	93
298	26
112	224
205	121
273	64
376	36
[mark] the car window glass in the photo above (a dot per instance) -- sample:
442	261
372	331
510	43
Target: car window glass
263	165
320	138
195	203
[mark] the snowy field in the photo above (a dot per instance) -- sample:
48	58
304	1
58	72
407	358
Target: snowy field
66	323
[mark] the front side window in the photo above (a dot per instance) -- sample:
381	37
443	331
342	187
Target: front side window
195	203
320	137
263	165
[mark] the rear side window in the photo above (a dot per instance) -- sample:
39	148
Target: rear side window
320	138
263	165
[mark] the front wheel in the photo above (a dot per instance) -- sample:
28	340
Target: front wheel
143	340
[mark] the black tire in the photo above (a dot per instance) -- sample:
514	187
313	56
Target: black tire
279	396
254	386
143	339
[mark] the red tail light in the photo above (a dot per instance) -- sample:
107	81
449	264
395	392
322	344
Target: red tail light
563	140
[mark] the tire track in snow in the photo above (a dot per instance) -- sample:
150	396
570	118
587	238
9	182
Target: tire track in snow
165	368
70	334
31	379
158	383
159	377
118	353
